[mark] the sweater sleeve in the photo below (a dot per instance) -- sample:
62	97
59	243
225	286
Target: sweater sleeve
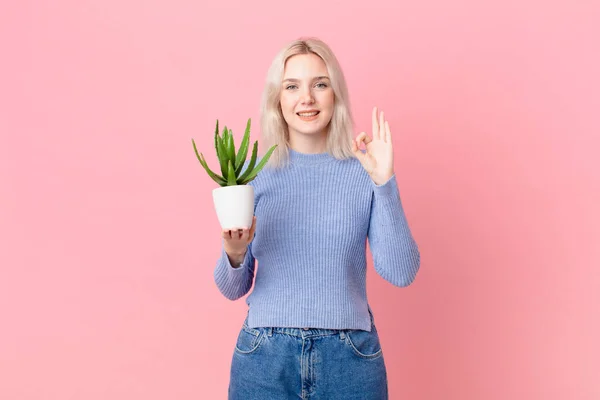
396	256
232	282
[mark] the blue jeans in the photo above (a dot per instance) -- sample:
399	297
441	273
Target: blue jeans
301	363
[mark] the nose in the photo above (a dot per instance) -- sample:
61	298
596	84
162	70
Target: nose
307	97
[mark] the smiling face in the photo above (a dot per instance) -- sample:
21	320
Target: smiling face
307	98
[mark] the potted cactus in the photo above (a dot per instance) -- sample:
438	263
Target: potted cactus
234	200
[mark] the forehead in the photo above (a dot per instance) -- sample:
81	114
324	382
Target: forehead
304	66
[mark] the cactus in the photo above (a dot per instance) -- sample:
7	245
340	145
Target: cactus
230	162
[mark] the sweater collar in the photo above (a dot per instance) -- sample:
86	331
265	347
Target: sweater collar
309	159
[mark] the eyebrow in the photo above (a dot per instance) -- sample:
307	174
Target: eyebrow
298	80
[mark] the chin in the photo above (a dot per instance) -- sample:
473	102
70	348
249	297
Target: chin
310	131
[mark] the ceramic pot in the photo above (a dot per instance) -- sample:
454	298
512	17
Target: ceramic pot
234	206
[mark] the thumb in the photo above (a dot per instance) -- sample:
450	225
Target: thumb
358	153
252	228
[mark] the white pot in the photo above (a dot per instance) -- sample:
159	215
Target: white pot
234	206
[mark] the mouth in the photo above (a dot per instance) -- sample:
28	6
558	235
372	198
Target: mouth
308	115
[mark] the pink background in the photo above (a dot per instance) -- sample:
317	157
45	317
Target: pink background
109	239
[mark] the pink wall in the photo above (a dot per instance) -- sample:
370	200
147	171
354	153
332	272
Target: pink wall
108	237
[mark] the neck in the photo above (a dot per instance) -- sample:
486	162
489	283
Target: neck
309	144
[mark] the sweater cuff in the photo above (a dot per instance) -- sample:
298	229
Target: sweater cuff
387	190
231	268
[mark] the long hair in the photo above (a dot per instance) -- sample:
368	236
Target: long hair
274	130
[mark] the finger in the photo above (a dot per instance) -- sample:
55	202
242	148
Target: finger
234	233
358	153
362	137
375	124
388	133
381	126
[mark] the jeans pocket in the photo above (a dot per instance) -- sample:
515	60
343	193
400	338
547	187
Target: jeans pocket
364	344
248	340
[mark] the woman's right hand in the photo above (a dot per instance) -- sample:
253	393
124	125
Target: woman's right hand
236	241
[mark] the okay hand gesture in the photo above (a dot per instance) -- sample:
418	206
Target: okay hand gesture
378	160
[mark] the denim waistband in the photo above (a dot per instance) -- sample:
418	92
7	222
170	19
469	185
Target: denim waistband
305	332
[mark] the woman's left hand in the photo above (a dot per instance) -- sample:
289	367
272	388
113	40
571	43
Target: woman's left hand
378	160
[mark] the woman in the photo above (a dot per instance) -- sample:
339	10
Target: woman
310	332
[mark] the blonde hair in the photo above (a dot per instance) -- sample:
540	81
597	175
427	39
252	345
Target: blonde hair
274	130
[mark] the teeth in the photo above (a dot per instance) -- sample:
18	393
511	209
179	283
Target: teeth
308	114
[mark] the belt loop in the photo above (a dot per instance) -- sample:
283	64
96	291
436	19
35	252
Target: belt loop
270	331
342	335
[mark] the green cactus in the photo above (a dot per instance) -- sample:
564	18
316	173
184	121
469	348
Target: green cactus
230	162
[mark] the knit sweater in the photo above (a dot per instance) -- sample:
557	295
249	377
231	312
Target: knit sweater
313	219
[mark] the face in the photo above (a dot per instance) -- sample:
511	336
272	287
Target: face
306	87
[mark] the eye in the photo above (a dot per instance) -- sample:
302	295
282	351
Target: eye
289	86
324	85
